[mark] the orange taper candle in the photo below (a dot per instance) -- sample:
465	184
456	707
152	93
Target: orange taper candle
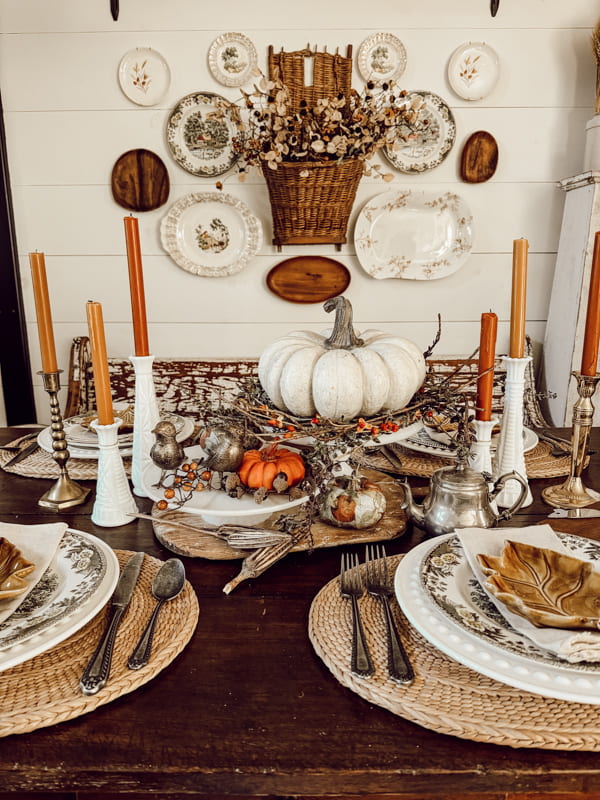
42	309
136	286
487	355
100	363
591	336
518	302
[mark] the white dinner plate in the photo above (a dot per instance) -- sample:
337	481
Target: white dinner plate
413	234
74	588
441	598
473	70
83	442
144	76
421	442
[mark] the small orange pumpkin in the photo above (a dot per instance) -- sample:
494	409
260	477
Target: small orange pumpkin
260	467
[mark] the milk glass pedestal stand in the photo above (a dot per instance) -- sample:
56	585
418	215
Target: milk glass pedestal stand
145	417
572	493
114	504
480	454
65	493
510	454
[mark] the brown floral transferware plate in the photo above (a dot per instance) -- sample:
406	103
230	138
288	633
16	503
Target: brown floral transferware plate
548	588
13	570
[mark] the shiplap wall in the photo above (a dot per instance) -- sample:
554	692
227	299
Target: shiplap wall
67	122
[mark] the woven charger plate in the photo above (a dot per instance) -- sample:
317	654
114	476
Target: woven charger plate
40	464
538	462
45	690
445	696
192	540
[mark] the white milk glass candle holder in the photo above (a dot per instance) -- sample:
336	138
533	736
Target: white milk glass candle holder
145	417
114	504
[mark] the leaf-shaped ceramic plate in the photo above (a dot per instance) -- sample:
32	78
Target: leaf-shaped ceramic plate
13	570
548	588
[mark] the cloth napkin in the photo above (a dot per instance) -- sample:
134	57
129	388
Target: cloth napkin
38	544
570	645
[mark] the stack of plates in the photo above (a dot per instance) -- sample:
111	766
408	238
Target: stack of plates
82	440
79	581
443	600
422	442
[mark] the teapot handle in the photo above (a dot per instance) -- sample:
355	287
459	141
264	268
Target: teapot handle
508	512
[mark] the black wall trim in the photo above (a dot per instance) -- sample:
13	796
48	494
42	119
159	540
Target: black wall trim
14	351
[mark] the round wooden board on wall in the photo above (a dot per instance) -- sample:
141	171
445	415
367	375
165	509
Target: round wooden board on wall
479	157
308	279
140	181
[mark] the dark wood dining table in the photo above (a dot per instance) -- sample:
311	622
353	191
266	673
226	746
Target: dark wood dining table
248	709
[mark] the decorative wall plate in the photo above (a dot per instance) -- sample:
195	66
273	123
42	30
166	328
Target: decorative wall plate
433	143
73	589
308	279
200	133
381	57
413	234
211	234
473	70
144	76
232	59
437	591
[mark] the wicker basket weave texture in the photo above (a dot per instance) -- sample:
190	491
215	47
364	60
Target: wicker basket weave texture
332	73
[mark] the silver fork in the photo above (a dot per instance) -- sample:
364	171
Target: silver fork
379	585
351	586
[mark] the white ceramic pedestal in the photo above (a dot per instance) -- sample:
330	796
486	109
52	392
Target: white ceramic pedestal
480	454
114	503
510	454
145	417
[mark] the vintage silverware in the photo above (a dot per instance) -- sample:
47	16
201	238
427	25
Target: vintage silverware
560	447
167	584
23	454
97	671
16	448
377	581
351	586
574	513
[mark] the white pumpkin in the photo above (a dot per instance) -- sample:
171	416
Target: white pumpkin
341	376
352	503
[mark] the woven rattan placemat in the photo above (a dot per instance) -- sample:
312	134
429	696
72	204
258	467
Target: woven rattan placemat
538	462
45	690
40	464
445	696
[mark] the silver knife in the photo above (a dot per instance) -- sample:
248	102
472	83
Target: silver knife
97	671
22	454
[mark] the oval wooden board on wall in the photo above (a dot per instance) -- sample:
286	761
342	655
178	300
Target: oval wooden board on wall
308	279
140	181
479	157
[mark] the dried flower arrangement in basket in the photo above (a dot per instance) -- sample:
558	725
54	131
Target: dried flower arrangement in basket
313	152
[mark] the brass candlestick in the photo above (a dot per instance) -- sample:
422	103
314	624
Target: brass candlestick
572	493
65	492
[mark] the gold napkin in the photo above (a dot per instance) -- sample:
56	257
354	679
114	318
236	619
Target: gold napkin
38	544
568	644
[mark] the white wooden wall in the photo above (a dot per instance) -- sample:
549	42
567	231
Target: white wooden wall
67	122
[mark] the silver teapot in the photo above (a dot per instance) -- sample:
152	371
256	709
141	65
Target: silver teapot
460	497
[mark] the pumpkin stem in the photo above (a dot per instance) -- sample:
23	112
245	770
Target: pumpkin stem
343	336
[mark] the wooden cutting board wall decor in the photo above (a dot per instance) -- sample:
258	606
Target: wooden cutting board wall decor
479	157
308	279
140	181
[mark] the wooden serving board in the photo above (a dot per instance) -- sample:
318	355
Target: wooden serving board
192	541
479	157
140	181
308	279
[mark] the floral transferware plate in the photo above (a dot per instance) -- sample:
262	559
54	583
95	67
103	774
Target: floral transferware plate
200	133
421	442
14	569
144	76
381	57
211	234
76	585
430	146
83	441
232	59
415	234
473	70
442	599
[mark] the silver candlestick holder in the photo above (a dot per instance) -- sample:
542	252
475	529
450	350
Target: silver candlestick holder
145	417
114	504
65	493
572	493
510	453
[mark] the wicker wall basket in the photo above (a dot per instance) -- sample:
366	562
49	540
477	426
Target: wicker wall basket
312	208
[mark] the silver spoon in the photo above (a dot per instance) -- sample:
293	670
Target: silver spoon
167	584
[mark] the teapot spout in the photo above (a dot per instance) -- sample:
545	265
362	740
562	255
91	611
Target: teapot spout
414	510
